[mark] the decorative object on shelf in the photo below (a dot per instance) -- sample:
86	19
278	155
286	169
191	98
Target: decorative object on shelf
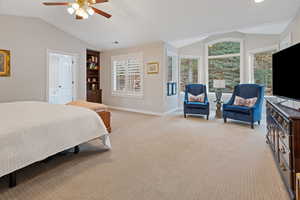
153	68
4	62
219	85
82	9
94	87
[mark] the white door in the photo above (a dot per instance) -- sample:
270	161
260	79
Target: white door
61	78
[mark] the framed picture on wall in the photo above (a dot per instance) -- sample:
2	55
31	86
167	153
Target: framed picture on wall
4	62
153	68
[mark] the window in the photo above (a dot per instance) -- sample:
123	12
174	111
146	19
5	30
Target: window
224	60
172	73
172	62
127	75
262	67
188	72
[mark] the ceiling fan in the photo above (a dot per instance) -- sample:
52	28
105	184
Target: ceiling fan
81	8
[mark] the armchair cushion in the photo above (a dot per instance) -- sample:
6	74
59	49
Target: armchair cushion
196	98
234	108
240	101
197	105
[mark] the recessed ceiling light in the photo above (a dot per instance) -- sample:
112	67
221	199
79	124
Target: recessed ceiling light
258	1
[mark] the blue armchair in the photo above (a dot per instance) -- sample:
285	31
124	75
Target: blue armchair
196	107
243	113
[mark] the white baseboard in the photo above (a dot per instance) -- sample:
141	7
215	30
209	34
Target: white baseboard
142	111
171	111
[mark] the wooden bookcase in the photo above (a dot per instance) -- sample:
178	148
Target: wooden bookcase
94	92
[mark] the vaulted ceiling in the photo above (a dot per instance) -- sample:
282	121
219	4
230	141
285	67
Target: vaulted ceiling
141	21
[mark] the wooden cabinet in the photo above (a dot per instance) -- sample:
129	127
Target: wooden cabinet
94	92
94	96
283	136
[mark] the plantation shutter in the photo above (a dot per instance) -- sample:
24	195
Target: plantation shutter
127	75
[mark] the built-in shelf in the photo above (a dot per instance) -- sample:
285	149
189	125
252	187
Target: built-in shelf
94	92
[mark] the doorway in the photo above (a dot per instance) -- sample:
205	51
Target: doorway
61	87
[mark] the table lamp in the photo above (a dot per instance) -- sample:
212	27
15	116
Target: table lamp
219	85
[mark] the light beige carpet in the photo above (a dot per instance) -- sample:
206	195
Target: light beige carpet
159	158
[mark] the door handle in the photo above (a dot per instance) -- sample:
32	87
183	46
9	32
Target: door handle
59	86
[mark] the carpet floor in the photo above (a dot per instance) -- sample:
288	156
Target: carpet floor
159	158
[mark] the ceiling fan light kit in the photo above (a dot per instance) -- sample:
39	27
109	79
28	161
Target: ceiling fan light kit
81	8
259	1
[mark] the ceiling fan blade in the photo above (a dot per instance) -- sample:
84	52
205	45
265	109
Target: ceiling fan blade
100	12
56	3
78	17
97	1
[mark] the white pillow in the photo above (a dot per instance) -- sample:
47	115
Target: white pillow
240	101
198	98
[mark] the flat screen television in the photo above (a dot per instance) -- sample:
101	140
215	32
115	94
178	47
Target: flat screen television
286	73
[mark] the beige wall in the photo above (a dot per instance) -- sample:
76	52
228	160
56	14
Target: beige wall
28	40
294	29
152	101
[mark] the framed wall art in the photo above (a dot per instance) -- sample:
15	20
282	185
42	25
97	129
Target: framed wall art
4	62
153	68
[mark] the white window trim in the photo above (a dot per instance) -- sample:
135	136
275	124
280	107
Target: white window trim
286	41
241	54
126	57
250	55
199	67
175	75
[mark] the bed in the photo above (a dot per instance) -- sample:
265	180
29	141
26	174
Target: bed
33	131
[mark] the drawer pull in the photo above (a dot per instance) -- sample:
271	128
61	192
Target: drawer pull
282	150
282	167
282	135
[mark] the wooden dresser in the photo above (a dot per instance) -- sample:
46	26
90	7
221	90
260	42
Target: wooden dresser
283	136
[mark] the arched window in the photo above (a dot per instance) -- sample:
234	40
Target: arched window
224	63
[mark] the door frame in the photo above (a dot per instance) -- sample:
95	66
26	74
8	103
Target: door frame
75	85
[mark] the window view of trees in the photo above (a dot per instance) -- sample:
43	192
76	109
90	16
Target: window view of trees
188	72
224	64
224	48
263	70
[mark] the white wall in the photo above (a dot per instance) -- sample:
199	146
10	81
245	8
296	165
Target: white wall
155	99
250	42
294	29
28	40
153	88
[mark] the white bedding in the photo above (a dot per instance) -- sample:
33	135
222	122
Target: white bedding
33	131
